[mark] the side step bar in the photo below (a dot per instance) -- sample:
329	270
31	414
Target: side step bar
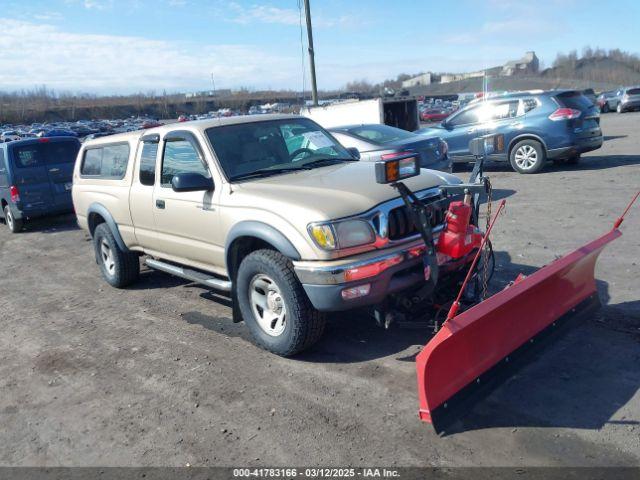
188	274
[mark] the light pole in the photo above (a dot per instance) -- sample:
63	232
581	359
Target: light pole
312	63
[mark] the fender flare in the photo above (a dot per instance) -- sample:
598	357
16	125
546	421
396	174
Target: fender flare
263	232
526	136
111	223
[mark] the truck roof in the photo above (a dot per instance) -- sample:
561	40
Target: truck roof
200	125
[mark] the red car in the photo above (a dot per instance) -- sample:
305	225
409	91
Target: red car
150	124
433	115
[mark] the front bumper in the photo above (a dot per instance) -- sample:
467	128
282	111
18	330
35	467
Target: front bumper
385	272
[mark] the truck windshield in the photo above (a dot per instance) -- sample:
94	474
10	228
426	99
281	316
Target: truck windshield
274	146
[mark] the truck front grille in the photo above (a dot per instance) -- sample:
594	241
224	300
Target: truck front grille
401	226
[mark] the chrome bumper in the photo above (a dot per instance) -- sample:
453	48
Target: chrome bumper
337	272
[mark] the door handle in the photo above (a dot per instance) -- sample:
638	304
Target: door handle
160	204
54	170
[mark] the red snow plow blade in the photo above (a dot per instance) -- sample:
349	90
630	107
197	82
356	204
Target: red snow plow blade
475	350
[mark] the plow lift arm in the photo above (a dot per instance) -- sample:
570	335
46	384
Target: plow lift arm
475	350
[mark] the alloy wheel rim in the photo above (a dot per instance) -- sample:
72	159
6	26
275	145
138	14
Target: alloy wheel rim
9	220
526	157
106	254
267	305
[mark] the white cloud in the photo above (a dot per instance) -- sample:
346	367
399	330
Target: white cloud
98	4
501	31
48	16
283	16
36	54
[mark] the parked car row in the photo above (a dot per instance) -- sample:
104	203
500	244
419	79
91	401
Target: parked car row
623	100
81	129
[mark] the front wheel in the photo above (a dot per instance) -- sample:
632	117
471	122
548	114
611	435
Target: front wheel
14	224
119	268
528	156
619	108
274	305
605	108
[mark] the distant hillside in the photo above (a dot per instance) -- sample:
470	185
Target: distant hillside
598	72
603	70
499	84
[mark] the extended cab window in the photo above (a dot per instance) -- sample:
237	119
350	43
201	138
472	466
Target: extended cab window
108	161
181	156
148	163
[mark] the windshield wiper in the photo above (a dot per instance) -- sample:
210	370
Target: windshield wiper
321	162
266	172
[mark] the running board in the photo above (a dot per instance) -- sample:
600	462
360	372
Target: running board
188	274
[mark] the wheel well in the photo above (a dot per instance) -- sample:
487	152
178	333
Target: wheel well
525	137
3	203
240	248
94	220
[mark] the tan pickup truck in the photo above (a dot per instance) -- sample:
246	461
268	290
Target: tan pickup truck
269	208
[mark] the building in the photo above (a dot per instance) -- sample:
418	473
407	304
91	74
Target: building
208	93
526	65
423	79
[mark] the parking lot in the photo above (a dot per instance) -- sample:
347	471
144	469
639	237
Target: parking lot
159	375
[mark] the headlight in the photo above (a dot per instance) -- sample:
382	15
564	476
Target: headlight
353	233
346	234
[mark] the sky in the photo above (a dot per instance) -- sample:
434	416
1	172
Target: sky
126	46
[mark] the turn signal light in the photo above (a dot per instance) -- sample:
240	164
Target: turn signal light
397	168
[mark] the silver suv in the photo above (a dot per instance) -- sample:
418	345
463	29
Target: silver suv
629	100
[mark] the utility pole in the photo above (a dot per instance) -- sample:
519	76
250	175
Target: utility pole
214	85
312	63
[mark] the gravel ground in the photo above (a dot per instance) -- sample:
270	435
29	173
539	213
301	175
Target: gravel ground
159	375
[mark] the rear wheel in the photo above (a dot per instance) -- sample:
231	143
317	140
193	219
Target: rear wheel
118	268
14	224
274	305
528	156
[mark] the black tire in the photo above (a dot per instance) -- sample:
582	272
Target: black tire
123	268
537	163
303	324
605	108
619	108
15	225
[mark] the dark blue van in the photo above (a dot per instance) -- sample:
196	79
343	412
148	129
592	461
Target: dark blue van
36	178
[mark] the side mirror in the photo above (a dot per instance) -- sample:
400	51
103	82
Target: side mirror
191	182
355	153
445	125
